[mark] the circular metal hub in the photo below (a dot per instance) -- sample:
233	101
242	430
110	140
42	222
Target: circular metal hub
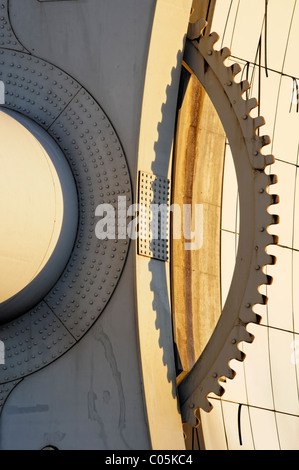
39	212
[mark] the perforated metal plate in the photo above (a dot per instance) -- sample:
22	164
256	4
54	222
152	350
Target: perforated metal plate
153	237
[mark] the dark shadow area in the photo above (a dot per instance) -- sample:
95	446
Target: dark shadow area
163	154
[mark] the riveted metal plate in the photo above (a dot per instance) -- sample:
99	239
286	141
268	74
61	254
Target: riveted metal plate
88	140
59	104
8	38
32	341
34	87
153	216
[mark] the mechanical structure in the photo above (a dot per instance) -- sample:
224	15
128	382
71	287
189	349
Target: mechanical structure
93	343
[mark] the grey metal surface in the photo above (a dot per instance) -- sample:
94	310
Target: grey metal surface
88	399
5	391
59	102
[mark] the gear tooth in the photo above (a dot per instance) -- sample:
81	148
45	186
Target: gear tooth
272	260
239	355
268	280
275	199
274	219
264	141
269	160
252	103
195	30
213	38
269	260
259	122
247	337
268	240
206	406
273	240
273	179
225	53
249	316
245	86
217	389
264	279
235	69
268	180
202	23
243	335
264	301
260	300
229	373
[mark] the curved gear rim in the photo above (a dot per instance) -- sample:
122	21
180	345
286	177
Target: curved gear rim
207	64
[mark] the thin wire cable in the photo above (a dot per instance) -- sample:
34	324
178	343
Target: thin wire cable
239	424
269	68
293	262
254	407
266	37
197	439
235	23
224	427
272	147
260	81
226	23
281	75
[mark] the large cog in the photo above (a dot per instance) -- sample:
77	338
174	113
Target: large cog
242	131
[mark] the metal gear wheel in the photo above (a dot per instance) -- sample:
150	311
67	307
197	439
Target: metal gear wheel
242	132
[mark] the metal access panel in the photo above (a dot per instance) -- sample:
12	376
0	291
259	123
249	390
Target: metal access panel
153	240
